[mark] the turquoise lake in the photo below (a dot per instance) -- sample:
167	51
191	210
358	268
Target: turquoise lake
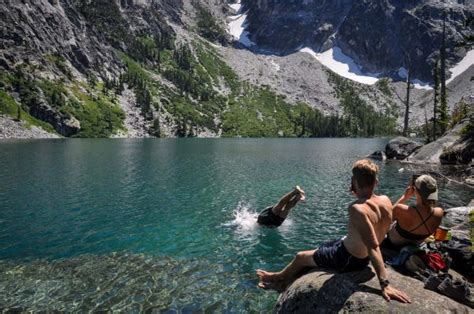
179	213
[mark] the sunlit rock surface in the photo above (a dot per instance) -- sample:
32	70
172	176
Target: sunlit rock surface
323	292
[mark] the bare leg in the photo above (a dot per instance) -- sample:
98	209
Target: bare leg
282	202
281	208
287	208
280	280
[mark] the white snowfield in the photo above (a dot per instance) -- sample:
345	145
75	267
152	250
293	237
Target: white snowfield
237	25
335	60
403	73
236	6
345	66
462	66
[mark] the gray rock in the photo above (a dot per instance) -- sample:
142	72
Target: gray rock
457	220
462	151
378	155
324	292
12	129
451	145
401	147
469	180
64	124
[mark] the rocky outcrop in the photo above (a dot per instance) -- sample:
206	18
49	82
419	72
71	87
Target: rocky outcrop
461	152
402	33
82	32
324	292
378	155
401	147
64	124
70	42
453	146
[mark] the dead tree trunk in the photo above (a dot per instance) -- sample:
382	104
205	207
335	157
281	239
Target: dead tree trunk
407	105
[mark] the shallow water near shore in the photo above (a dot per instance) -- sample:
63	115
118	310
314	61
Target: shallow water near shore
179	212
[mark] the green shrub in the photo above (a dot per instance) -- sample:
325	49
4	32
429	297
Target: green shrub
98	116
383	86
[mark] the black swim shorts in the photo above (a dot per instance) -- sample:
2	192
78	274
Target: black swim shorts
389	245
268	218
334	255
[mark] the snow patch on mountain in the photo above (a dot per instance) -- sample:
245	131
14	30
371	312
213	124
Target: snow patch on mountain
335	60
236	7
462	66
458	69
403	73
237	25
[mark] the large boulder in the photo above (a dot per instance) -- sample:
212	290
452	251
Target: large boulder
64	124
401	147
450	148
378	155
324	292
461	152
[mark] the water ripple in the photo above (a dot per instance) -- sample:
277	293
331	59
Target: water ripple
186	199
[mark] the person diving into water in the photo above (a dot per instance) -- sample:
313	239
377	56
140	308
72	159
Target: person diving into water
275	215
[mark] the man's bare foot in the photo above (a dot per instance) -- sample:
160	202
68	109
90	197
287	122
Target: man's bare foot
265	276
278	286
272	281
300	193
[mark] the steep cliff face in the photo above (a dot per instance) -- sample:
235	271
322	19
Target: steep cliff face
381	35
60	60
82	32
56	55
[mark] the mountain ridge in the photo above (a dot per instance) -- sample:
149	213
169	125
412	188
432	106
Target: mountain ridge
135	68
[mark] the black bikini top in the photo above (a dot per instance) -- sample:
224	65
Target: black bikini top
411	236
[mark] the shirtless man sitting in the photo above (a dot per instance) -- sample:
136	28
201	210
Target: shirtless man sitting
370	217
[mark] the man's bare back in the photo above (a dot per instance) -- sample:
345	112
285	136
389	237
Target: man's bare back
377	211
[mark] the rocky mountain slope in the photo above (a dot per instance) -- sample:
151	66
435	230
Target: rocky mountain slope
138	68
402	33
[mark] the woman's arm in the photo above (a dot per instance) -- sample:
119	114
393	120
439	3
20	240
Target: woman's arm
409	193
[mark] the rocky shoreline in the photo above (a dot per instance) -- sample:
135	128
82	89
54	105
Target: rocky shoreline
321	292
12	129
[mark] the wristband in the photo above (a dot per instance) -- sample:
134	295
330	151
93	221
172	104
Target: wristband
384	283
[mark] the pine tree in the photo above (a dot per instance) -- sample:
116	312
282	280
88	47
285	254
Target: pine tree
435	102
156	127
426	128
303	123
443	110
18	114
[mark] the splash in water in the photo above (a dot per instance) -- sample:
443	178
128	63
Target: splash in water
244	218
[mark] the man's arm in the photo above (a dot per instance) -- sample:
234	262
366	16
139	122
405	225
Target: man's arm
366	230
388	292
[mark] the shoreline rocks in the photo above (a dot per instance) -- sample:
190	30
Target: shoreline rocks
401	147
321	292
12	129
452	148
